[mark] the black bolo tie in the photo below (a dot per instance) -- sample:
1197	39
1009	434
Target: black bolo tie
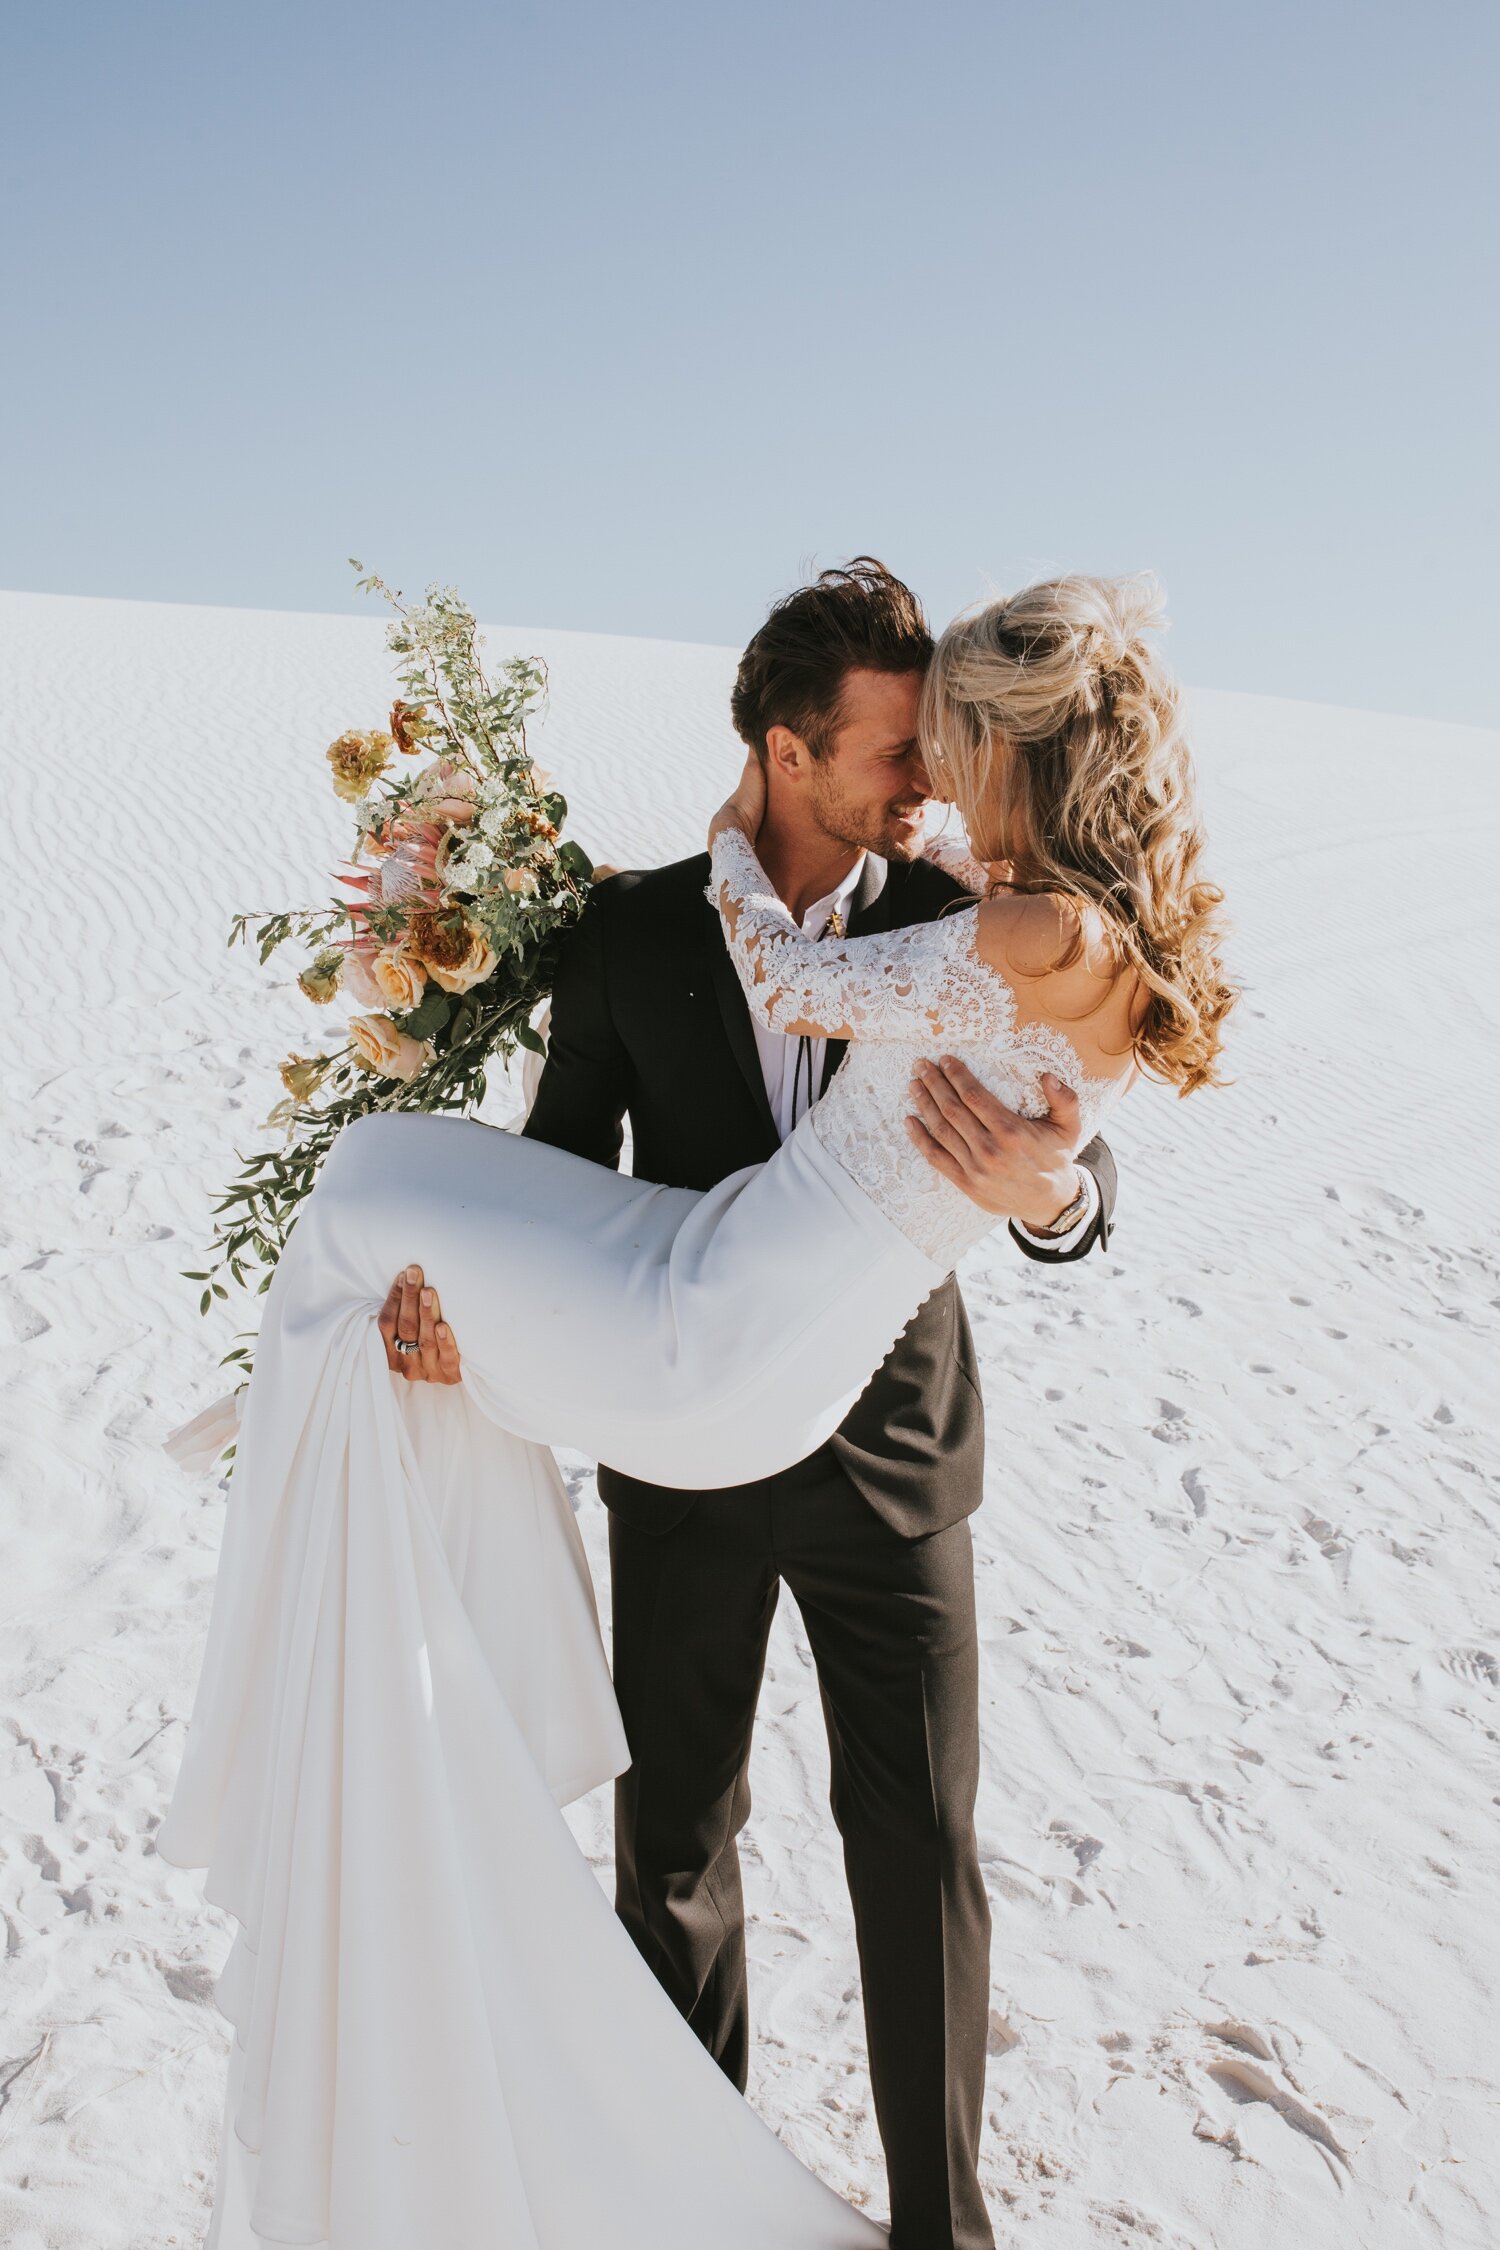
833	927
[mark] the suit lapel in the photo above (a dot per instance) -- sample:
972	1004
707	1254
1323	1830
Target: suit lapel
865	908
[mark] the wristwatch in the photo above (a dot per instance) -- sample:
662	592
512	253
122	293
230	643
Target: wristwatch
1077	1211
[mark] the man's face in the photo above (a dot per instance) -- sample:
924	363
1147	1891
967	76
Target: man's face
869	789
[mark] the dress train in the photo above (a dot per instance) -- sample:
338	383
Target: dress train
443	2038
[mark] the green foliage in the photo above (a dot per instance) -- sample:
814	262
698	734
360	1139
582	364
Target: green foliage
506	874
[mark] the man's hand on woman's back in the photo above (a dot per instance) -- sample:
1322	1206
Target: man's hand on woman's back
1018	1167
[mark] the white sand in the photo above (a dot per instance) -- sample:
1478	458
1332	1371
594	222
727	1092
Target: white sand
1237	1566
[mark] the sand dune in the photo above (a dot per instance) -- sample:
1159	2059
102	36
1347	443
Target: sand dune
1238	1560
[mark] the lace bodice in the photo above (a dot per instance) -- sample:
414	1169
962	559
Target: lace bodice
897	996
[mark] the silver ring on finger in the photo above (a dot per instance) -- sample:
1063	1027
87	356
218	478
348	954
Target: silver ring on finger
406	1347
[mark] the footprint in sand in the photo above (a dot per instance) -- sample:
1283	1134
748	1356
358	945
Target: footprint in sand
1244	2036
1194	1487
1127	2223
1476	1665
1003	2035
43	1859
25	1322
1331	1543
1085	1848
190	1981
1245	2082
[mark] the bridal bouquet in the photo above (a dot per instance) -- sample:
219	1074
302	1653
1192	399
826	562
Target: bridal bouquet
459	889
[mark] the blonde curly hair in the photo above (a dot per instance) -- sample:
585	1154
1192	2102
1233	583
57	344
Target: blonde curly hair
1052	722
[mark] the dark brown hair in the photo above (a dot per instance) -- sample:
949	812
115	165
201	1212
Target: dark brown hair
860	618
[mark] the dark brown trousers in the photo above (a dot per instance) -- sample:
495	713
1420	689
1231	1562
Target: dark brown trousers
890	1622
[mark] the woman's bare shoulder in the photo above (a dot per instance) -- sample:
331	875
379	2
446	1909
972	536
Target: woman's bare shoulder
1066	968
1034	935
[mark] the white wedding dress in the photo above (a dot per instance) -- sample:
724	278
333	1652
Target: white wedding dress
443	2038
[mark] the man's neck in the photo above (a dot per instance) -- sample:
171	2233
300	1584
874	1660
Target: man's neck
804	865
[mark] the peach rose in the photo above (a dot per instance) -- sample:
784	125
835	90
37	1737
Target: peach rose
447	791
398	977
385	1050
359	976
477	964
519	879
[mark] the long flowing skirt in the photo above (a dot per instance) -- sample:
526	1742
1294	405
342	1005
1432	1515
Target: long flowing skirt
443	2039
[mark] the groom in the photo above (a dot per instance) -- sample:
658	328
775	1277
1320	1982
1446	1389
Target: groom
871	1533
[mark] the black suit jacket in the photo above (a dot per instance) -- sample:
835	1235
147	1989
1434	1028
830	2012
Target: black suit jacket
648	1020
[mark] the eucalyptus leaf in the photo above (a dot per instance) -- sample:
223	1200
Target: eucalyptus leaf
430	1014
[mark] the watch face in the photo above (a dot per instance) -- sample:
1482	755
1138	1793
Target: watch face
1069	1219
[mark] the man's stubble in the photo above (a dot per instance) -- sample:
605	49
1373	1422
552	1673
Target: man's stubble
866	825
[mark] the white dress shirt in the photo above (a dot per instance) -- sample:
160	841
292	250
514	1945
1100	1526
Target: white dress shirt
793	1068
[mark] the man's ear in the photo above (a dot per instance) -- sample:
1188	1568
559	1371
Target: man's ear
787	755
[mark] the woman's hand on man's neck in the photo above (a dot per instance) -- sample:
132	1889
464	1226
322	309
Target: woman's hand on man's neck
803	861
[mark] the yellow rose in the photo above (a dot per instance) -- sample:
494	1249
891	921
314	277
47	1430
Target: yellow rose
399	977
357	760
385	1050
302	1075
477	964
320	979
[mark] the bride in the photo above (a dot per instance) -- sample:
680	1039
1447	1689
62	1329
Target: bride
442	2036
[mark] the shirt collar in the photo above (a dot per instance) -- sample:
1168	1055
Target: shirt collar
815	920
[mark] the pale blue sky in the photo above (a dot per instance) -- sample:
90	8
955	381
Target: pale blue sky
623	316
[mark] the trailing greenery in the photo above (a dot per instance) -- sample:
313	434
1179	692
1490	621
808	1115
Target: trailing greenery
463	890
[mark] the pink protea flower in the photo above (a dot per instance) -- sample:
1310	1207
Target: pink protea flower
408	874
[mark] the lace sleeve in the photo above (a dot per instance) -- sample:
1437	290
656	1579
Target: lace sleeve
924	982
953	856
